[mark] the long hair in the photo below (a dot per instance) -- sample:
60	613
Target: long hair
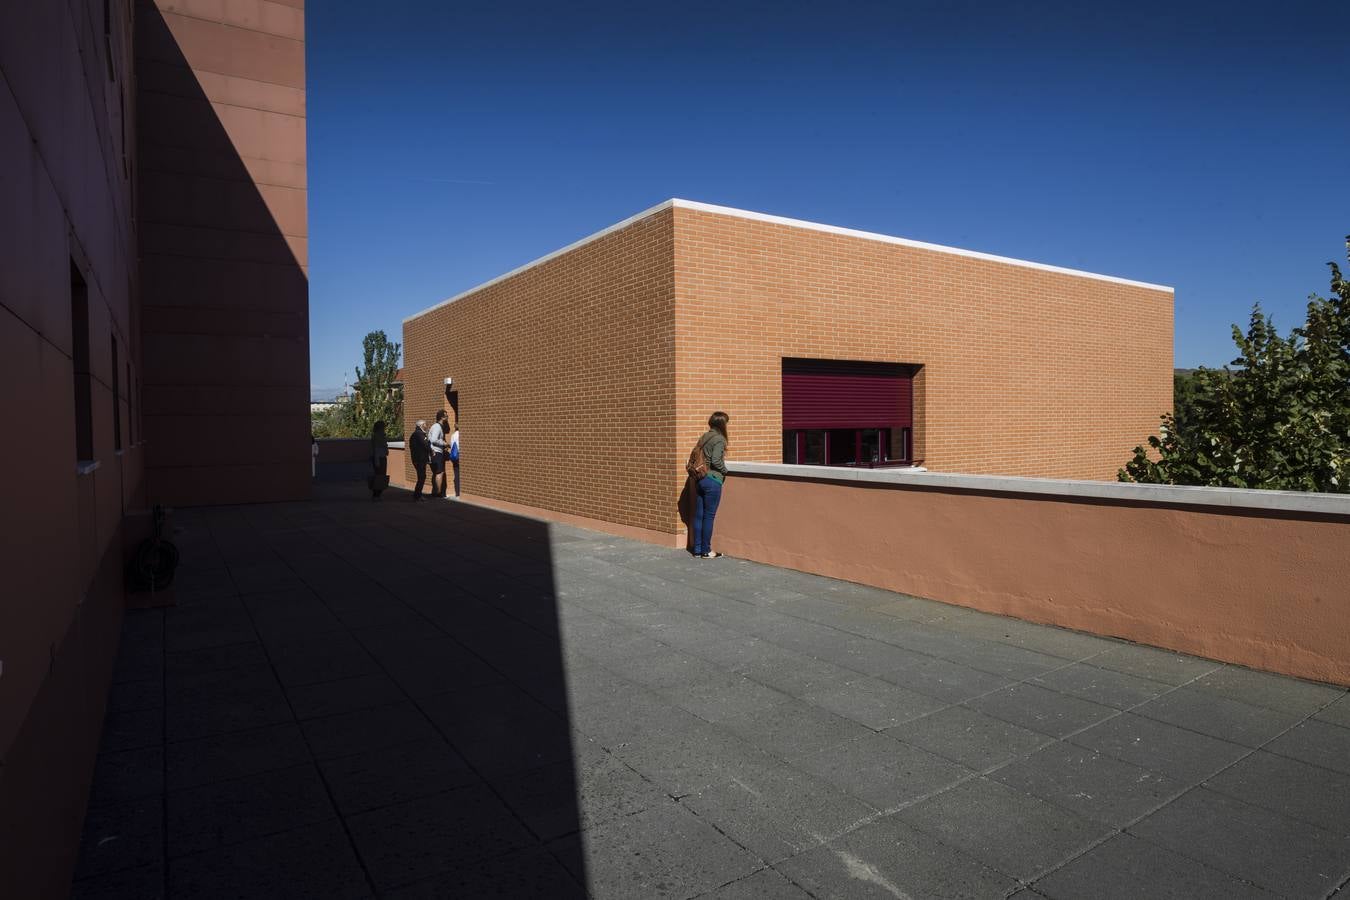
718	422
379	430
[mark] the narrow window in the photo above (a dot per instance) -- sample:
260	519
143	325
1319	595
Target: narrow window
131	408
116	398
79	344
107	39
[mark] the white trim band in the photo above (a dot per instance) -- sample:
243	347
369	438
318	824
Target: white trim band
791	223
1226	498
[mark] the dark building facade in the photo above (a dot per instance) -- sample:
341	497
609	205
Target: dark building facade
153	336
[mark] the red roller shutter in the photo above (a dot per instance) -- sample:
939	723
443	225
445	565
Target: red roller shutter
829	394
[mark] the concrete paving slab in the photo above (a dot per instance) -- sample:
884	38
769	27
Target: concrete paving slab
1089	784
1316	742
775	810
883	772
1011	832
793	730
946	680
367	729
666	851
764	884
1171	750
237	754
128	775
231	812
381	777
1256	845
969	737
529	874
1089	682
1338	713
132	730
413	840
1296	789
875	703
1039	709
318	857
327	698
1125	868
596	787
119	836
1153	663
1285	695
1229	720
448	666
144	882
889	858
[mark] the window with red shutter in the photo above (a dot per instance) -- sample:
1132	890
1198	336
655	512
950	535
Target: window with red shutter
843	413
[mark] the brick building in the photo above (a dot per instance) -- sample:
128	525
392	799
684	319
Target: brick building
154	324
583	378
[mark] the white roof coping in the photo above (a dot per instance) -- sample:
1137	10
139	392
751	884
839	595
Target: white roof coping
676	203
1225	498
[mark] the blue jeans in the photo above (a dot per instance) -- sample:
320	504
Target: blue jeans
705	509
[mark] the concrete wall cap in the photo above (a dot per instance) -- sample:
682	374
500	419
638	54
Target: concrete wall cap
1225	498
676	203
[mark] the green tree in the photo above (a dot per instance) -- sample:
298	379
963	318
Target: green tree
375	396
1278	419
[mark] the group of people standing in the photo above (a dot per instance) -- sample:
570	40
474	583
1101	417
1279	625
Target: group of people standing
435	448
438	446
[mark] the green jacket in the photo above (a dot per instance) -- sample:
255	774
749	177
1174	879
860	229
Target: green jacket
715	451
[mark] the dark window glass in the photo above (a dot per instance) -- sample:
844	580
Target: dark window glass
79	334
789	446
813	454
900	444
843	448
871	445
116	397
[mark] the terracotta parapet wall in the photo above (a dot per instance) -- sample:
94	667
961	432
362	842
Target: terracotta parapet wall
1225	576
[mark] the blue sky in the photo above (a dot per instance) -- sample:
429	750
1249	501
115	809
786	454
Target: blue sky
1204	146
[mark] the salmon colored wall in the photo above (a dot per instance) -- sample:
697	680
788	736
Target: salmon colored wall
1262	590
224	244
400	469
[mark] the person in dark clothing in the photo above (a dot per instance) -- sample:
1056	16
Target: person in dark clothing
419	450
709	487
379	461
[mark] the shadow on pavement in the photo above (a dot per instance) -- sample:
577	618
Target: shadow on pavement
351	698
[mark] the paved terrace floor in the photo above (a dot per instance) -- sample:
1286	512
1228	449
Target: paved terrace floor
358	699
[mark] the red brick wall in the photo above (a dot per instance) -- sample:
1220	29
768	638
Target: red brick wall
614	353
1025	371
566	379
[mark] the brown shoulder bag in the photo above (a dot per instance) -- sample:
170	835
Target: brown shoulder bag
697	467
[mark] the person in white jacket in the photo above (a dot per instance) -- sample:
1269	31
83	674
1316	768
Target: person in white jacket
439	451
454	456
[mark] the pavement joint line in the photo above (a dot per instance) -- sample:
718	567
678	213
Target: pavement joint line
495	565
313	760
539	841
1188	789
